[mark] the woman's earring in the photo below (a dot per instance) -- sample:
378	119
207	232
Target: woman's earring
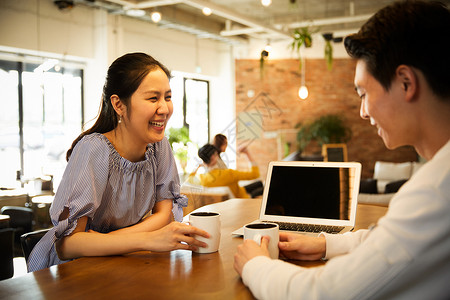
120	119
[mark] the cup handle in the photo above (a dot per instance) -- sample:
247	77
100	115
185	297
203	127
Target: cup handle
257	239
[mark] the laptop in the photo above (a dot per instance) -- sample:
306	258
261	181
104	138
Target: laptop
310	197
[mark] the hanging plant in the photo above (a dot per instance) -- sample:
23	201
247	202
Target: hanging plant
328	49
262	59
301	36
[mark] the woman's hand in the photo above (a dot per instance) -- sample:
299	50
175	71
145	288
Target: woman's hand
175	236
302	247
91	243
248	250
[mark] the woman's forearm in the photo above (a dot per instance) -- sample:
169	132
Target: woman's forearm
174	236
124	240
161	216
93	243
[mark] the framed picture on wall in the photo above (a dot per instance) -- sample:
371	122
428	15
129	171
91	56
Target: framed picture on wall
334	152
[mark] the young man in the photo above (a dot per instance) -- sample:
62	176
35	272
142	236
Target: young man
403	82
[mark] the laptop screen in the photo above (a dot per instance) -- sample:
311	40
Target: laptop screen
311	192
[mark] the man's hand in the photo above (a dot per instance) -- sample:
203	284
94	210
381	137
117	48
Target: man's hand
302	247
248	250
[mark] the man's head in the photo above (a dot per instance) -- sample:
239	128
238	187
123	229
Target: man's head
207	152
401	74
413	33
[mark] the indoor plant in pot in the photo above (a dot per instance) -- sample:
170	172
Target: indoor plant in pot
178	139
327	129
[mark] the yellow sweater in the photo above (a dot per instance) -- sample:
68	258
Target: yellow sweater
229	178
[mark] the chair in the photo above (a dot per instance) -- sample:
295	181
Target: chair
30	239
255	189
334	152
21	220
6	253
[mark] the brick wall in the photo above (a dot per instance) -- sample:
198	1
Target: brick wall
275	103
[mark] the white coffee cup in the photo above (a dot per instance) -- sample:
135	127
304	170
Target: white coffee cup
209	222
255	231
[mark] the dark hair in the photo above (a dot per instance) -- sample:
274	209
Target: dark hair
124	77
413	33
219	140
206	151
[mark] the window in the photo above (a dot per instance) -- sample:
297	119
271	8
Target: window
190	99
42	115
191	107
196	110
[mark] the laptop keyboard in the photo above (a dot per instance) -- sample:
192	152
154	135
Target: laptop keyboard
309	227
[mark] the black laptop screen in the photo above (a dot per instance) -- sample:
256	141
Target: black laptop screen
310	192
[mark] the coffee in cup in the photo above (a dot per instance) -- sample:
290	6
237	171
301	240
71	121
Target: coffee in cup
255	231
209	222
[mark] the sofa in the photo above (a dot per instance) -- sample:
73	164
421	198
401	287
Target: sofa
387	179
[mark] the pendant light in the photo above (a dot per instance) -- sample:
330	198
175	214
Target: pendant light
303	90
156	16
266	3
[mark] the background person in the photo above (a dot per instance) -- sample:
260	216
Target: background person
119	171
220	141
405	92
216	176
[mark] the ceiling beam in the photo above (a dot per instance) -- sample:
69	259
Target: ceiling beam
142	5
236	17
329	21
253	26
246	30
150	4
318	22
216	9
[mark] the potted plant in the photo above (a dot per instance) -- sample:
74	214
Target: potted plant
328	129
178	139
301	36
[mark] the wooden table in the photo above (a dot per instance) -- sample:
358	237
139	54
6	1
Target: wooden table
4	221
173	275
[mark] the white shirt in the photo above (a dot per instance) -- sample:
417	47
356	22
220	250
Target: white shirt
406	256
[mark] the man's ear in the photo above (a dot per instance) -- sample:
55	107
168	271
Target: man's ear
408	80
118	106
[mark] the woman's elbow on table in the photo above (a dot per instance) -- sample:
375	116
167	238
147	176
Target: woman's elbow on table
64	251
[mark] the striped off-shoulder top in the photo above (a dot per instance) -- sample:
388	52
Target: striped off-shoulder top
111	191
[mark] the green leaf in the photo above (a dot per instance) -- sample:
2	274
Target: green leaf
325	129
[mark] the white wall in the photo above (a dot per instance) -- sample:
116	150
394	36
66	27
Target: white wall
94	38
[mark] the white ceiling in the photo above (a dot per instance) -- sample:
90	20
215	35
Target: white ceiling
239	20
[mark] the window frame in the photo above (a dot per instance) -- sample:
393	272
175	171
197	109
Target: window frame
21	64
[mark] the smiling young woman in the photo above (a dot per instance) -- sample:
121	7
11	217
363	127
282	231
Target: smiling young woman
120	190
